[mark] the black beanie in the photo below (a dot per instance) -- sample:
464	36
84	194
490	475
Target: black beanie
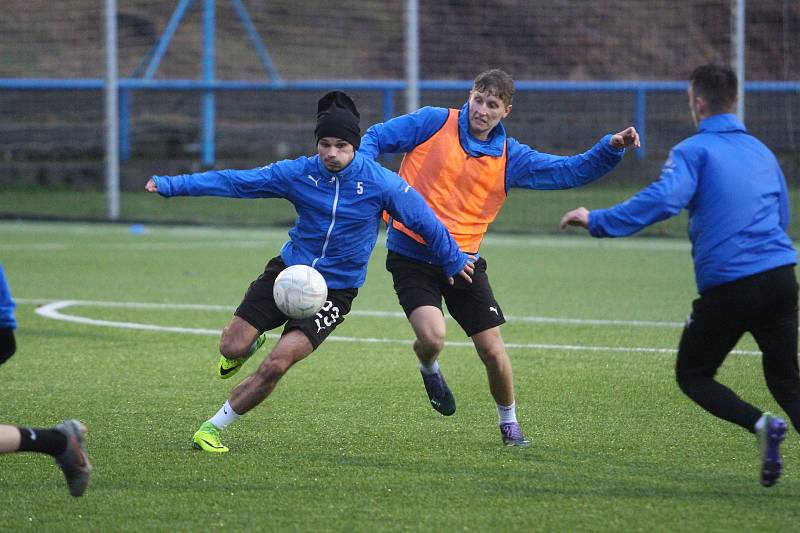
337	116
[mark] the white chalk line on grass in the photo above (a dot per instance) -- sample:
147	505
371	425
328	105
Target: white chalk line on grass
52	309
386	314
139	246
34	247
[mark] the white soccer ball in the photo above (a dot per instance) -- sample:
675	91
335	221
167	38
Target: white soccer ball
300	291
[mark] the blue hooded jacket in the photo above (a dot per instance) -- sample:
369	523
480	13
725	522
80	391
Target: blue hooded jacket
338	214
526	168
737	200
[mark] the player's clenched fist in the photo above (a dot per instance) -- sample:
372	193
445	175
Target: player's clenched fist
626	138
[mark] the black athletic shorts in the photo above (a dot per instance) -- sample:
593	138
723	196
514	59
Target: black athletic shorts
472	305
258	307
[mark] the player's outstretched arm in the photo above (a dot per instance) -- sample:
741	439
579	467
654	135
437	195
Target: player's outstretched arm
576	217
627	138
151	186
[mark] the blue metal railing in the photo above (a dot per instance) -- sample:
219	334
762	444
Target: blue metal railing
387	88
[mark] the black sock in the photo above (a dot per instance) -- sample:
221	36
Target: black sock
8	344
42	440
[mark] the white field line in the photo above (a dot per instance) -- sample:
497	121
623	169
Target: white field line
52	309
386	314
270	240
139	246
34	247
264	235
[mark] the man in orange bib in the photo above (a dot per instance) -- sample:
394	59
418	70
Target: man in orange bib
463	164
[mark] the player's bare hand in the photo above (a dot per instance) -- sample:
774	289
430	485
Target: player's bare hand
151	186
576	217
466	274
626	138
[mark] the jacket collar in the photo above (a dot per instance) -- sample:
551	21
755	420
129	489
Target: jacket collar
724	122
347	172
475	147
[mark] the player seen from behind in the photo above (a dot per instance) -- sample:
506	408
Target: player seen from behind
735	192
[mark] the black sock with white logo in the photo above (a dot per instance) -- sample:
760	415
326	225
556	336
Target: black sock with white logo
42	440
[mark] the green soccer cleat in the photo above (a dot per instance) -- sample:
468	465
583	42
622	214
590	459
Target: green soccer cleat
228	367
207	439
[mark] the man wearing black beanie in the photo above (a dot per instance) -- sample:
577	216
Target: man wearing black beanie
337	116
337	133
339	197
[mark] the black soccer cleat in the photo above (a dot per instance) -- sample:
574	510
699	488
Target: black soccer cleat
73	461
439	393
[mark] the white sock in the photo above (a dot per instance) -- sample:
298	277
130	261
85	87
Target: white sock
760	423
429	369
224	416
507	413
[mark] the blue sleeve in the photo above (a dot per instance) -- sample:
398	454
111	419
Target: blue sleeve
270	181
402	134
529	169
662	199
784	215
405	204
7	304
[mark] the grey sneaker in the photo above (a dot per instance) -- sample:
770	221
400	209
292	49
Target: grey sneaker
439	393
512	435
769	442
74	462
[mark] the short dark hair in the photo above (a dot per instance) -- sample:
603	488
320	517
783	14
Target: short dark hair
495	82
717	84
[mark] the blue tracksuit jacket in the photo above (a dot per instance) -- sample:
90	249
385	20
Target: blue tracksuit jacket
338	214
7	303
737	200
526	168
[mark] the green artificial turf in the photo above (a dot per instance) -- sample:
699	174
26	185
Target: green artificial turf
348	441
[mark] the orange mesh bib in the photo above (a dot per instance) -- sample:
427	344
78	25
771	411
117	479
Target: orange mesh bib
465	192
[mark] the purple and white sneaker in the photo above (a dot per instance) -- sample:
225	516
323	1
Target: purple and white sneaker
769	442
512	435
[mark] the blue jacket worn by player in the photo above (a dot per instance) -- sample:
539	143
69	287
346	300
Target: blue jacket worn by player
736	196
7	304
339	197
519	166
8	322
735	192
338	214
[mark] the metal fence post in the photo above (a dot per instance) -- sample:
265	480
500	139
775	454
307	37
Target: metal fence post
112	112
640	122
209	100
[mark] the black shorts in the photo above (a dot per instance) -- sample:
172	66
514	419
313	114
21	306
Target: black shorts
472	305
258	307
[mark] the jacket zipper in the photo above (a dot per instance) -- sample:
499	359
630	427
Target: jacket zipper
330	228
